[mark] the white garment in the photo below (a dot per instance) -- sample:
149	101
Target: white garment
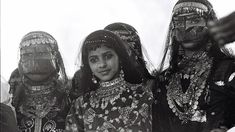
231	130
5	87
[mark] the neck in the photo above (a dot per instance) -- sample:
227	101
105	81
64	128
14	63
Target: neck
112	82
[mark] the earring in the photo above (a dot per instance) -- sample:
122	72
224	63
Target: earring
93	79
121	73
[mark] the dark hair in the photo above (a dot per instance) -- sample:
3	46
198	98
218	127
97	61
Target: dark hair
132	39
109	39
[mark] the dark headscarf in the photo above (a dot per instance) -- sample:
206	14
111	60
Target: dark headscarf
172	49
130	37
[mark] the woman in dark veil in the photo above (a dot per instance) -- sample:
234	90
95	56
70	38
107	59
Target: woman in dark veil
39	85
196	89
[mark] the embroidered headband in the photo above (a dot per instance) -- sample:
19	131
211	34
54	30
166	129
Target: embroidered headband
38	37
187	7
99	39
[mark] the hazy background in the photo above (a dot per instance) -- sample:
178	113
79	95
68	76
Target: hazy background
70	21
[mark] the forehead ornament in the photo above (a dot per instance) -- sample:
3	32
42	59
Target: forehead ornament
37	38
187	7
99	40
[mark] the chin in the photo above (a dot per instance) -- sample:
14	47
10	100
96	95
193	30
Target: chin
106	78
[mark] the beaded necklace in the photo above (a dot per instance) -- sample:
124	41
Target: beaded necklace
185	104
108	92
38	100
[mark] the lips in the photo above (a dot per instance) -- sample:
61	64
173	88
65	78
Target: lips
104	72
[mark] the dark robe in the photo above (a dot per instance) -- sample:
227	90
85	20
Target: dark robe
219	106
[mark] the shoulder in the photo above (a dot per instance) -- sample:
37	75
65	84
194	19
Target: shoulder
77	73
77	76
15	76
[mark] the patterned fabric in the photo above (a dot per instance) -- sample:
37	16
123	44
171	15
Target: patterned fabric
122	107
35	116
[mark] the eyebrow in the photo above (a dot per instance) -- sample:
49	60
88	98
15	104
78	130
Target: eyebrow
107	52
104	53
92	56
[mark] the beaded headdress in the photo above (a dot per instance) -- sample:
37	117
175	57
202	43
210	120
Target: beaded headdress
44	38
200	7
203	8
38	37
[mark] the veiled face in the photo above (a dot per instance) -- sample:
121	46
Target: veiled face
104	63
190	30
37	62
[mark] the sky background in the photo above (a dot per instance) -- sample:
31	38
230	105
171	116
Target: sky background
70	21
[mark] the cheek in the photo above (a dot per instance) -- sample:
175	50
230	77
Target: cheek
93	67
114	64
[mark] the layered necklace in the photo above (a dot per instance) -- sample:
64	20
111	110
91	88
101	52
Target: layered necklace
109	91
39	100
184	103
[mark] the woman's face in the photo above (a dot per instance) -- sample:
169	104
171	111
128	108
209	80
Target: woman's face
37	63
190	30
104	63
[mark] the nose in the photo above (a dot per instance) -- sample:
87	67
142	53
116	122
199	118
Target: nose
102	63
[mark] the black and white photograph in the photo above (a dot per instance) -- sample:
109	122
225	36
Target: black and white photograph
117	66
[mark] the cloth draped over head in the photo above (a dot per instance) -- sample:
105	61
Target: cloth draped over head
203	8
135	49
42	38
128	34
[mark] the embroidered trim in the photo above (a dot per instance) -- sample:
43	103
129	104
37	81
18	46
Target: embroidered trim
37	107
102	40
190	4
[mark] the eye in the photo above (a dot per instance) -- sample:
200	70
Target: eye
93	59
108	56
